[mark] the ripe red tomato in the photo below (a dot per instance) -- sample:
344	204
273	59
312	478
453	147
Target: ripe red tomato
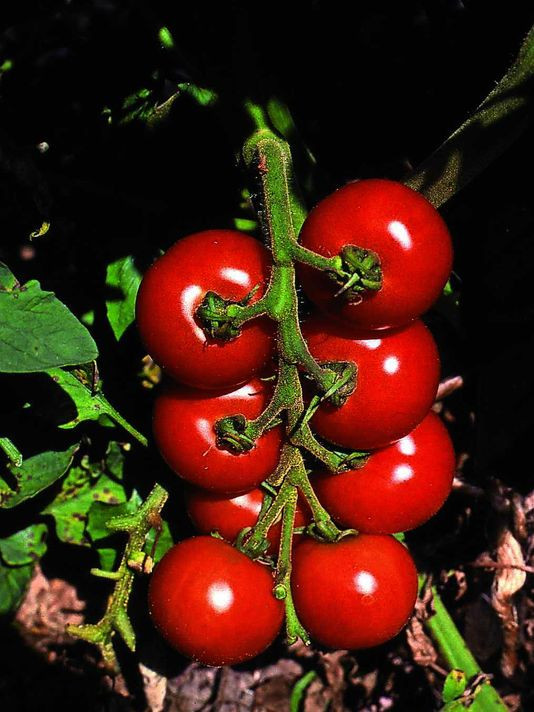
229	515
356	593
397	380
398	488
409	236
212	603
183	425
224	261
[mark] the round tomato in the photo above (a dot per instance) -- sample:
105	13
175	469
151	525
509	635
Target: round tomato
229	515
397	380
402	228
212	603
356	593
183	425
398	488
227	262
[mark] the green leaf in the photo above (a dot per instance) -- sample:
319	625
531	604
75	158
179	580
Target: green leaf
124	277
70	509
503	115
34	475
165	541
25	546
38	332
11	451
101	513
454	685
8	281
115	460
166	38
89	405
13	584
107	558
454	706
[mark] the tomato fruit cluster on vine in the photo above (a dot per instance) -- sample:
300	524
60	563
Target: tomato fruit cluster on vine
208	599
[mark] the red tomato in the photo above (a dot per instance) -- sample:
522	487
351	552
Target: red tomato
183	427
409	236
356	593
398	488
228	515
224	261
212	603
397	380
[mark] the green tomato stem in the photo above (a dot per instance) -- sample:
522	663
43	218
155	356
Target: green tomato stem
282	588
457	654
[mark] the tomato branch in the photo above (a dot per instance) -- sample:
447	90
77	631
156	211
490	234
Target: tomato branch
116	619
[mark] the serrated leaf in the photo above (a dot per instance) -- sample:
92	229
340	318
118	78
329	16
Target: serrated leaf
165	541
70	509
25	546
454	685
13	584
38	332
34	475
124	277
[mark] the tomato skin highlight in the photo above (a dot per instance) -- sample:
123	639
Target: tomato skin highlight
399	487
212	603
229	515
227	262
355	593
397	381
183	426
403	228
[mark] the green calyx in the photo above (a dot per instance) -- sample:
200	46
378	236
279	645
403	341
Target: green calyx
230	434
364	273
222	318
344	382
212	313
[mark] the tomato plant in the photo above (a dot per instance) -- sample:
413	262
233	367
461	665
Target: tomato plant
398	488
184	429
227	262
356	593
396	382
402	228
229	515
212	603
329	428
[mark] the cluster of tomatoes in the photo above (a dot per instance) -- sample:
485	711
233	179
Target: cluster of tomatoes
208	599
